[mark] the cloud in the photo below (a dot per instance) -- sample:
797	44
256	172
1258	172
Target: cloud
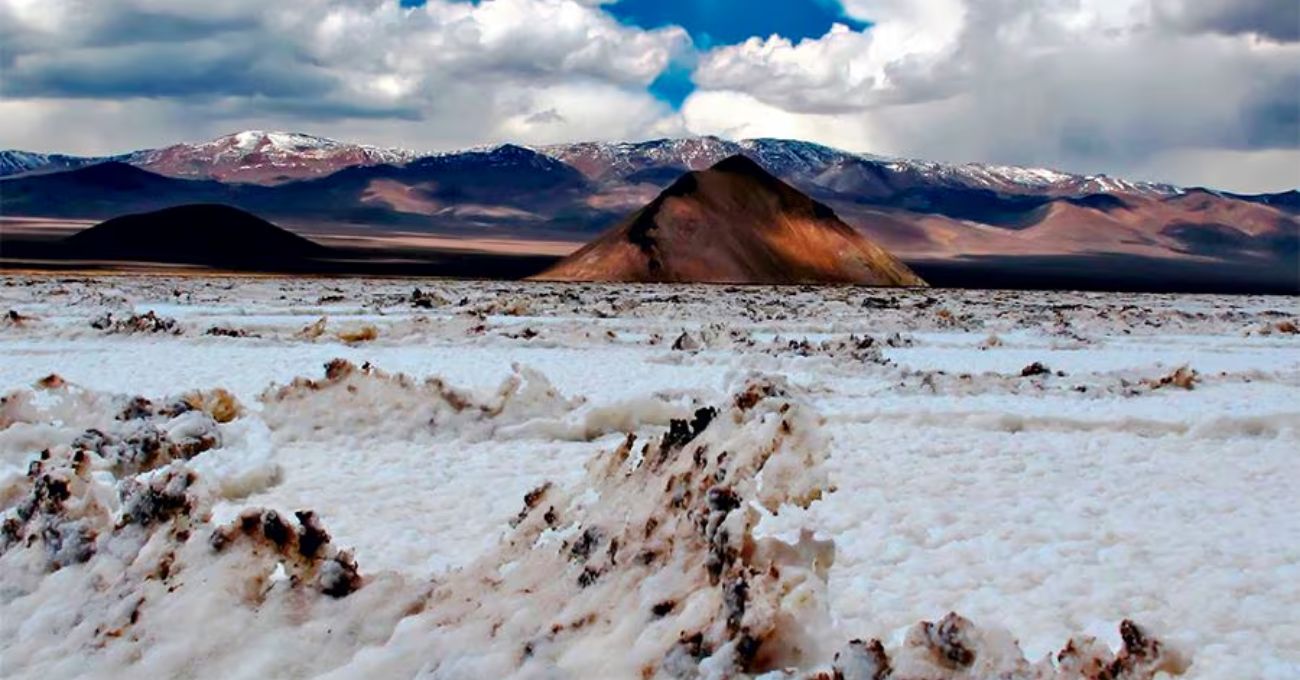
543	117
468	67
1127	87
844	70
739	115
1272	19
1085	85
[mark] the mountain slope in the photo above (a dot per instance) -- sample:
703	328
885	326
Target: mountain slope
14	162
733	223
468	191
209	234
104	190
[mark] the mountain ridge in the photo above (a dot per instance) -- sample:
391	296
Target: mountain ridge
256	156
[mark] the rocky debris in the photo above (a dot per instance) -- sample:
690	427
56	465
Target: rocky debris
501	306
124	502
124	435
52	381
858	348
1183	377
1035	369
15	320
862	661
312	330
342	403
899	340
359	335
1269	327
218	403
949	641
226	332
687	343
149	322
675	523
149	446
890	302
159	499
304	550
758	388
421	299
528	333
956	649
531	500
57	513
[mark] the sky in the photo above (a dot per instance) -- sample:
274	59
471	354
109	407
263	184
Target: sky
1196	92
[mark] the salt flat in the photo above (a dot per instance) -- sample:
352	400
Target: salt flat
1045	464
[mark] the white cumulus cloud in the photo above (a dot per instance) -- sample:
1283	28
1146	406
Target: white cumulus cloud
1118	86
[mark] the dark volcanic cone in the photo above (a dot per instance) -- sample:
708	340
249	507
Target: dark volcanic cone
215	235
733	223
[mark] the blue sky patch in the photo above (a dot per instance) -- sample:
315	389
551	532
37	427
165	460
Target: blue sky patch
674	85
725	22
712	23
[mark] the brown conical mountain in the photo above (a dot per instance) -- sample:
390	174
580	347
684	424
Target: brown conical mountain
733	223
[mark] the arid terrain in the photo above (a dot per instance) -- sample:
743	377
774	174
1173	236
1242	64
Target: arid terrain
968	225
219	476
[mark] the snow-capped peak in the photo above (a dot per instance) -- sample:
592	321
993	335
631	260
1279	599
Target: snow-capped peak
266	157
250	140
287	143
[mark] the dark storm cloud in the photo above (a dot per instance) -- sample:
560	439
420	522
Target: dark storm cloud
545	117
132	26
232	65
352	57
1273	115
102	26
1277	20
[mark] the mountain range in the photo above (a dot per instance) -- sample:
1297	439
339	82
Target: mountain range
968	218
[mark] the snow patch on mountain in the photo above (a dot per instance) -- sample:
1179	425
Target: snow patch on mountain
811	163
266	157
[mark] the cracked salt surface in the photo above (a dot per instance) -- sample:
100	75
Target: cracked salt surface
1049	505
